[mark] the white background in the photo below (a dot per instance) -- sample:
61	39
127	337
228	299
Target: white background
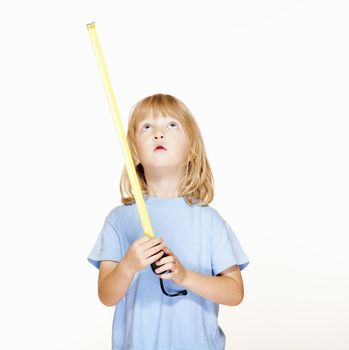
267	82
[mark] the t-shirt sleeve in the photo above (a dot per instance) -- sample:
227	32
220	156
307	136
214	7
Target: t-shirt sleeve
226	250
107	246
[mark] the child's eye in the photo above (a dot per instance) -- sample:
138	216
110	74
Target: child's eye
172	124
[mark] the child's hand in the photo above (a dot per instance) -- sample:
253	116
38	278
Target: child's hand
172	263
143	252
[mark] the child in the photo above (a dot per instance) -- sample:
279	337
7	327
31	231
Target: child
204	255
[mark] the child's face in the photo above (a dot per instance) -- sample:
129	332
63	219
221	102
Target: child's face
166	131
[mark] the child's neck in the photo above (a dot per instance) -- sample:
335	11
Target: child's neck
163	186
163	194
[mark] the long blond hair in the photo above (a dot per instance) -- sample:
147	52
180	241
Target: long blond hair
197	184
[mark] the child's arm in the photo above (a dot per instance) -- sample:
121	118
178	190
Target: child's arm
113	274
115	278
226	288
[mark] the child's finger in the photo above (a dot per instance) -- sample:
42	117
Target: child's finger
167	250
164	260
166	276
165	267
152	242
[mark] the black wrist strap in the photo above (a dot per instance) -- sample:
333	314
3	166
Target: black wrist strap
154	267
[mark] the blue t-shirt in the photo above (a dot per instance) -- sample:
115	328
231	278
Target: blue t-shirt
147	319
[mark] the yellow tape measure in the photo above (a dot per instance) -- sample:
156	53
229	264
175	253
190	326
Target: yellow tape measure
131	171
